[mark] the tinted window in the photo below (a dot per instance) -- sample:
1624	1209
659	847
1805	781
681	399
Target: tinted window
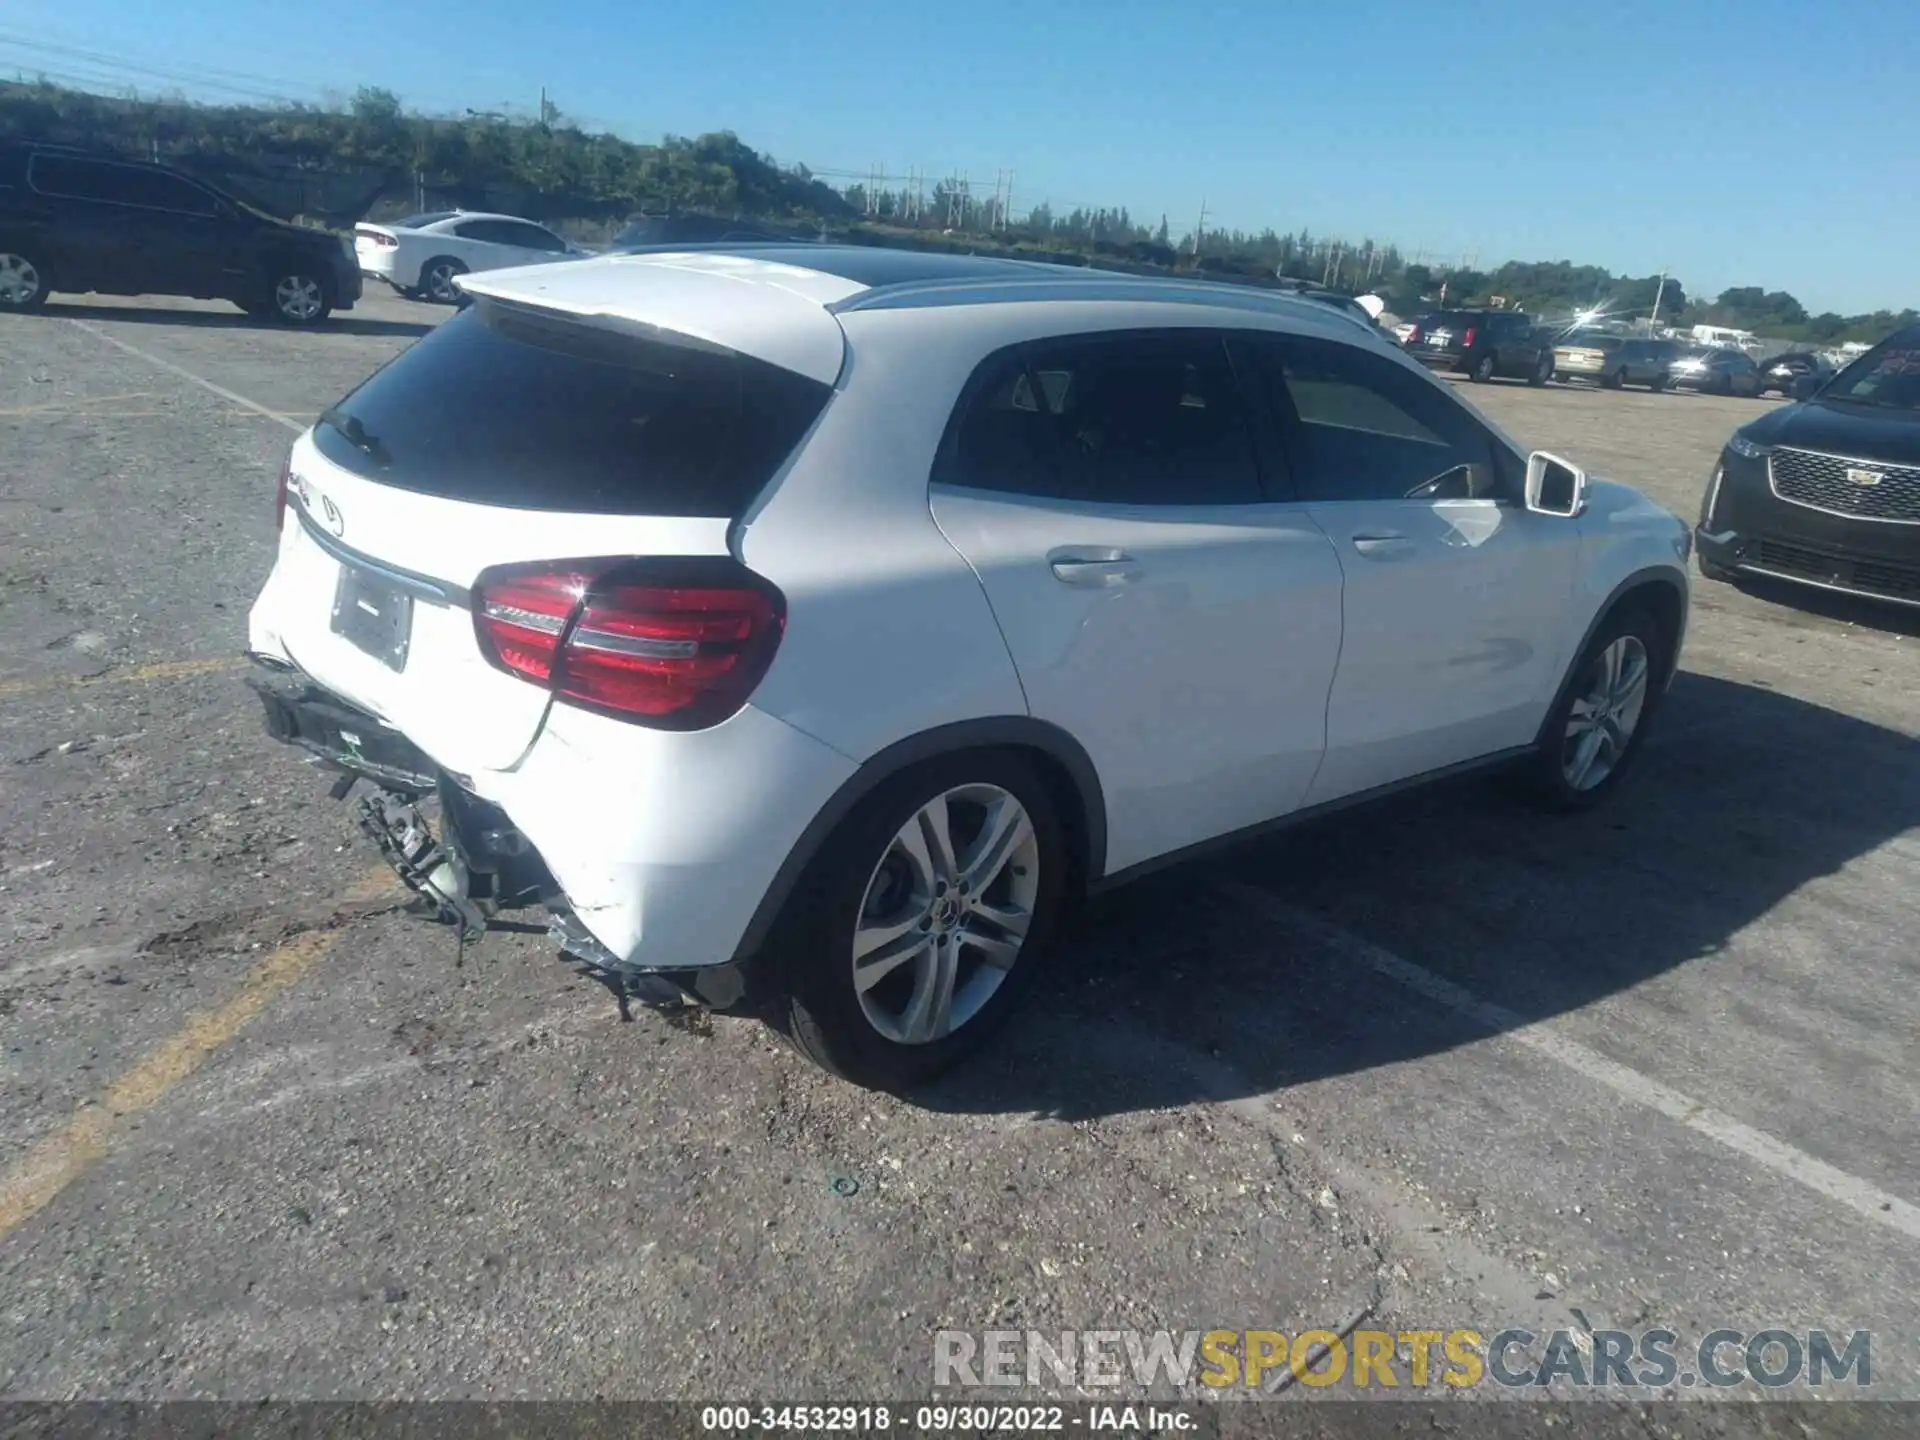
160	191
82	179
536	237
78	179
420	222
1887	376
534	412
1370	430
1127	420
493	232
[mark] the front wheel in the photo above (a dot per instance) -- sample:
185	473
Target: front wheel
1542	372
926	918
23	281
1596	730
299	297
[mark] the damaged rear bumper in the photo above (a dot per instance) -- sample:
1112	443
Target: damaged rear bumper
476	862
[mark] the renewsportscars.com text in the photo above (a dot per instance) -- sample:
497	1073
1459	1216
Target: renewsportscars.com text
1653	1359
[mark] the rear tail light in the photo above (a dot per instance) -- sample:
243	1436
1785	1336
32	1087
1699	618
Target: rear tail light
1415	335
385	242
1466	340
676	644
280	495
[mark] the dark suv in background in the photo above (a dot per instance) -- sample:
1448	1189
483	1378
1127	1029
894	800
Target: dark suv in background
1826	492
1482	344
77	221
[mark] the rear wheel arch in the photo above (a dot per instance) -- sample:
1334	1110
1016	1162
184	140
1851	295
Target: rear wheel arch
1057	758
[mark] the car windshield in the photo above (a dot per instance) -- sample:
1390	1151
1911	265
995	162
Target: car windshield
1448	320
1886	377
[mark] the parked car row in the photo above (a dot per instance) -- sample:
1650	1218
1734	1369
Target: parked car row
88	222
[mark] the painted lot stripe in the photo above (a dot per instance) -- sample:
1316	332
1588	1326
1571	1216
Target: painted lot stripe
1755	1145
139	674
56	1162
172	369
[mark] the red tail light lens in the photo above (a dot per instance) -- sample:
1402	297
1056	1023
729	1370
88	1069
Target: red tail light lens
385	242
280	495
1467	339
678	644
1415	335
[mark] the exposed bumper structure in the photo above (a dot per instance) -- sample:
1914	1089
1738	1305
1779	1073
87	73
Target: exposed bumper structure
635	885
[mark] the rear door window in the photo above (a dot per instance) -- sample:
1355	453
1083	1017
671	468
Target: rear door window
1124	419
505	406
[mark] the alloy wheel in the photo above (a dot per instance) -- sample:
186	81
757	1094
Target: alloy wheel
19	281
1605	713
440	283
945	913
299	297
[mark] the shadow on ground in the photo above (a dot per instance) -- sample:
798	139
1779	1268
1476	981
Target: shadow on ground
1178	986
335	324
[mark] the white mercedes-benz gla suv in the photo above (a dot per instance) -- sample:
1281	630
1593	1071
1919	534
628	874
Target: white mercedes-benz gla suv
819	622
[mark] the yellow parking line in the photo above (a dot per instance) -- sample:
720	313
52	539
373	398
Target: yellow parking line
56	1162
164	670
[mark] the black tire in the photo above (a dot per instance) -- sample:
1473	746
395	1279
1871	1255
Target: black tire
1656	385
821	1011
24	280
1481	371
436	280
1546	775
1616	381
297	296
1542	372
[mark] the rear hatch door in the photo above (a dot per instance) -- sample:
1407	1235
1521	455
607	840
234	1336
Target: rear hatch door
512	434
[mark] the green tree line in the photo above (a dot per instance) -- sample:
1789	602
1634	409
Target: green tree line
334	163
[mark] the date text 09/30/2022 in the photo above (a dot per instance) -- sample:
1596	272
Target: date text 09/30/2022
963	1419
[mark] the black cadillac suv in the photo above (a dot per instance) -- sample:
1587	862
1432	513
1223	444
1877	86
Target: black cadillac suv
73	220
1827	492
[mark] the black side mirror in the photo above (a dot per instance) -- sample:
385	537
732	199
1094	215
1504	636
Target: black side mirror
1804	386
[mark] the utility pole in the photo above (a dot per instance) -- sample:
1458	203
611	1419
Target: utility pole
1659	292
1200	227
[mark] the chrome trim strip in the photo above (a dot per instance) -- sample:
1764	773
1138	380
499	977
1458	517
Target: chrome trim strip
1822	509
634	645
411	582
1746	569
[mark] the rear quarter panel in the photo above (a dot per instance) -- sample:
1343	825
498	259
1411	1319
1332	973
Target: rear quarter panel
889	633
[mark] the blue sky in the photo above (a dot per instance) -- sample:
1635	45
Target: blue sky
1766	142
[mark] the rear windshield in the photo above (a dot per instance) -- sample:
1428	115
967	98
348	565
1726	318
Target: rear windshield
509	407
1450	320
420	222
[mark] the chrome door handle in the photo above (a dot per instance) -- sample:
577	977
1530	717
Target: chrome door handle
1382	544
1075	565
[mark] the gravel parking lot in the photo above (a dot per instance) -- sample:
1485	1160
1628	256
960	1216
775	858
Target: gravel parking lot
1441	1061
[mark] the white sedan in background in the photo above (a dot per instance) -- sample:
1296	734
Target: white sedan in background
421	255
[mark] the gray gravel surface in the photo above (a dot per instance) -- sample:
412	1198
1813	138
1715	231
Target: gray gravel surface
259	1136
